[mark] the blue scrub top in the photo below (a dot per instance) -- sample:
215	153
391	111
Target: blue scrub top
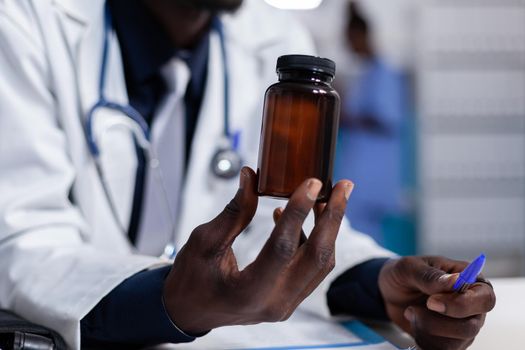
370	158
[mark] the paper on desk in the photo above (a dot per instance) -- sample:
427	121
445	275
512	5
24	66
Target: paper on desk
301	331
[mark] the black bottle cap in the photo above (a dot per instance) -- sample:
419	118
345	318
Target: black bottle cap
304	62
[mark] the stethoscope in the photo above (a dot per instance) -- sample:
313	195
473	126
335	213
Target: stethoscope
226	162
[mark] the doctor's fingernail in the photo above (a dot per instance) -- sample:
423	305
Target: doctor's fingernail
409	314
436	305
349	187
314	187
446	278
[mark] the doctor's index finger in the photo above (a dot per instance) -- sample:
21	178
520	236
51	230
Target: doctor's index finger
478	299
429	275
329	220
284	240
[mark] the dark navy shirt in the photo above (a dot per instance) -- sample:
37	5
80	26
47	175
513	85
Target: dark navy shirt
132	314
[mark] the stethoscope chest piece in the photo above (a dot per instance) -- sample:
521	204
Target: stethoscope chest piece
226	163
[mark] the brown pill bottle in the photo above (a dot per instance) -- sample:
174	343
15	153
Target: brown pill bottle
299	127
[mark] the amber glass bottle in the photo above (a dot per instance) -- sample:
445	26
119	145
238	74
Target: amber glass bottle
299	127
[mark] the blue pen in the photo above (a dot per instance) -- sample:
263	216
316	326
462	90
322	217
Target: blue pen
469	275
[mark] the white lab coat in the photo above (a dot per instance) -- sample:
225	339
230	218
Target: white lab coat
61	250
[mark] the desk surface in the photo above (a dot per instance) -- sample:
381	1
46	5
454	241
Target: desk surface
504	327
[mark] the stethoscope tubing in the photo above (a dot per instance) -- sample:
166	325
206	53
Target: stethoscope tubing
142	133
128	110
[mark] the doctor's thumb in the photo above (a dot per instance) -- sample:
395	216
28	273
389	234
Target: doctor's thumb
238	214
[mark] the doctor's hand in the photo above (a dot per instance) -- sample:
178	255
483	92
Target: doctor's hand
205	288
418	298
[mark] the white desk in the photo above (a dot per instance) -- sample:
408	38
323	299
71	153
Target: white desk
505	325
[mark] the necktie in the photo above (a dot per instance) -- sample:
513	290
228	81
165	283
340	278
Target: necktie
163	184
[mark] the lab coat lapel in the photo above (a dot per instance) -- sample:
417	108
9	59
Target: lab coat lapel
89	63
118	156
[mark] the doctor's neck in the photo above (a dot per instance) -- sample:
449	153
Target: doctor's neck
186	21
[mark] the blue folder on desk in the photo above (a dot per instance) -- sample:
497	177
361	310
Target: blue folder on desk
367	337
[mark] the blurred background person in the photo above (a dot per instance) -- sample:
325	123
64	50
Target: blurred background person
374	110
